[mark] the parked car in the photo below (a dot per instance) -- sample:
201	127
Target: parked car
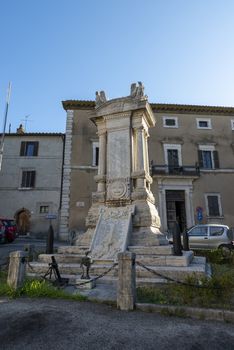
8	226
211	236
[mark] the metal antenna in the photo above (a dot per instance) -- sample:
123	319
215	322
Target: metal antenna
26	120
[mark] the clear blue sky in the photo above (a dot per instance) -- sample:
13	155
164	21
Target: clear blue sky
54	50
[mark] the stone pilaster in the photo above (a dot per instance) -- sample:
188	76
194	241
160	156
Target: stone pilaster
141	166
64	214
139	149
101	177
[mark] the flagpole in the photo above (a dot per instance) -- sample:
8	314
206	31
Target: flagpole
5	122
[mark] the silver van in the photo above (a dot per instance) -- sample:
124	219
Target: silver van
210	236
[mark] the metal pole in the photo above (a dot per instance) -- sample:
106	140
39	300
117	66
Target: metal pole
4	124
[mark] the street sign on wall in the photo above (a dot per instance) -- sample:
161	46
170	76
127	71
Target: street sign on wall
199	211
51	216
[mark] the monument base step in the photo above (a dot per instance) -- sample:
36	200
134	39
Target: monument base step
197	267
41	268
73	249
138	249
166	260
144	257
152	250
71	258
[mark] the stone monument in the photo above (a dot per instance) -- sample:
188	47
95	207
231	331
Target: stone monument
123	218
123	211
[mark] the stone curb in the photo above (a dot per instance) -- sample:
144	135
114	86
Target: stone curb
193	312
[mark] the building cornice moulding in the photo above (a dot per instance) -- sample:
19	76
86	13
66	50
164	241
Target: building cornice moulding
159	107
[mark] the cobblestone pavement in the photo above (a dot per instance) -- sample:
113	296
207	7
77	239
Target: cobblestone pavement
60	324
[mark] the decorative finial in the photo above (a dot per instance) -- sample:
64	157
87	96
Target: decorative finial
138	91
100	98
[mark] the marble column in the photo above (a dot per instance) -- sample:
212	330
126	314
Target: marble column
102	161
146	135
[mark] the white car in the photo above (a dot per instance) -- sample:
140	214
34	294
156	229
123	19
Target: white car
210	236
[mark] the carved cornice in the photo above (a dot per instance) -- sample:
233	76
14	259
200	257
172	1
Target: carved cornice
159	107
117	116
191	109
78	104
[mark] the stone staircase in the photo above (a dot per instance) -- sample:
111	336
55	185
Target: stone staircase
158	258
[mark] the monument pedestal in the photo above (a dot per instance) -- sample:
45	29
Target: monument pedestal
123	178
85	284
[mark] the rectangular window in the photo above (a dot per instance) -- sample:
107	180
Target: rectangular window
29	148
96	156
198	231
203	123
170	122
216	231
44	209
95	153
173	158
213	205
208	157
28	179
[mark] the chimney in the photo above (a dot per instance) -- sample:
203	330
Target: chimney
20	130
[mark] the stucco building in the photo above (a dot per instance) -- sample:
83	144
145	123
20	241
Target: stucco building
30	180
191	152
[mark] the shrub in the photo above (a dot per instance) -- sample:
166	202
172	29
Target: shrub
215	256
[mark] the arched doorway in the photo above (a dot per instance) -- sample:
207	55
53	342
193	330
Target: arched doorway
22	218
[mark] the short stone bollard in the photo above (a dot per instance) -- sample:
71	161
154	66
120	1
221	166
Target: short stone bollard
126	292
17	269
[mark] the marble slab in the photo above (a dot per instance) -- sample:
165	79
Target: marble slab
112	232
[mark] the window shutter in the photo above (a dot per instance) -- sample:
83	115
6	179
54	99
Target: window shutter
35	150
200	159
23	182
22	148
33	176
216	159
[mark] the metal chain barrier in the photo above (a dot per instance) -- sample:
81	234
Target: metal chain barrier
174	280
97	277
76	285
32	269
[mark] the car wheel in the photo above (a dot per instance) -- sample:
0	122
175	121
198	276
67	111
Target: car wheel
225	251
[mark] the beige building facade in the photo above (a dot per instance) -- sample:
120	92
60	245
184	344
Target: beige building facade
30	180
191	154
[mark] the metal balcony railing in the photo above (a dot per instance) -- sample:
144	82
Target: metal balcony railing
185	170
